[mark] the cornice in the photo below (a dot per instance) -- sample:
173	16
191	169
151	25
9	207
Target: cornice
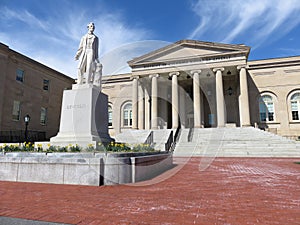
235	49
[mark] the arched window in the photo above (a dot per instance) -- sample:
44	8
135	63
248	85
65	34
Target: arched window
266	108
127	115
295	106
110	115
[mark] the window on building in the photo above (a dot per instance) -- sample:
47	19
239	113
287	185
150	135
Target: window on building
295	106
20	75
109	116
46	85
266	108
16	112
127	115
43	118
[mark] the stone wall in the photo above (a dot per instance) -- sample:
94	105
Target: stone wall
82	169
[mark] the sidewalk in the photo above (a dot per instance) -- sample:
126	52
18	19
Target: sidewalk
229	191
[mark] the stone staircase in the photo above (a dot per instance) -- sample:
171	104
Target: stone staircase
160	137
235	142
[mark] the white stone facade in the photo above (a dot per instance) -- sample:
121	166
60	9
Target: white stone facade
204	84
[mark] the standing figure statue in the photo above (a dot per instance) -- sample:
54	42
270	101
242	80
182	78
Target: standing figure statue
89	63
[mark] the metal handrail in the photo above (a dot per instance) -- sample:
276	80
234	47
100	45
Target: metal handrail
149	139
169	142
177	134
172	140
191	134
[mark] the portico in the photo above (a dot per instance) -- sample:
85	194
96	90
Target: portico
191	84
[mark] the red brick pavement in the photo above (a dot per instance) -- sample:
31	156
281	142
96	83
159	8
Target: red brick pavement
229	191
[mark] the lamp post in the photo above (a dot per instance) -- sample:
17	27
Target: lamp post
26	120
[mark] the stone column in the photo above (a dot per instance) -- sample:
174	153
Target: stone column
197	98
154	95
141	108
147	109
135	102
244	98
175	102
220	97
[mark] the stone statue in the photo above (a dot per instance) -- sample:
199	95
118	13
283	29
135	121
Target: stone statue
89	63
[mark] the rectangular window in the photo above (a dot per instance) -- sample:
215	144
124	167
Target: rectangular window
271	116
211	119
130	118
295	112
126	116
16	110
20	75
43	118
295	115
46	85
263	116
109	118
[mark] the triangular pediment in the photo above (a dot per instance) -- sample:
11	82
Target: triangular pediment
189	49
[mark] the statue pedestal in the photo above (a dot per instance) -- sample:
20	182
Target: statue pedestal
84	117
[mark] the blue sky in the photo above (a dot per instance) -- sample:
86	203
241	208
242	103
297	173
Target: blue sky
49	31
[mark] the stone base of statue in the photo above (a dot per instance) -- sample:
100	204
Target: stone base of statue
84	117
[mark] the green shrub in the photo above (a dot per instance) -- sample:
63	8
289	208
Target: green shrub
117	147
75	148
142	148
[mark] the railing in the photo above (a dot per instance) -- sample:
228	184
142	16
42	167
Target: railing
169	143
177	134
191	134
149	139
18	136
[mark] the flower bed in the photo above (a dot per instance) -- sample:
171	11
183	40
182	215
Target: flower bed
111	147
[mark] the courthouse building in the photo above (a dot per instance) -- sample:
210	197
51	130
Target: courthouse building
204	84
188	84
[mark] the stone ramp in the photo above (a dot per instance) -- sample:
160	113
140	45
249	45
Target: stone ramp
160	137
235	142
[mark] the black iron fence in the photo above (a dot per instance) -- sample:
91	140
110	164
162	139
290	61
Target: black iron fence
18	136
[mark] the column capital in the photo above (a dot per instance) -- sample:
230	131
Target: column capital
154	75
174	74
195	71
218	69
239	67
134	77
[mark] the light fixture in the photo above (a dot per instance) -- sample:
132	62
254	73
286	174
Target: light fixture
230	91
26	120
228	72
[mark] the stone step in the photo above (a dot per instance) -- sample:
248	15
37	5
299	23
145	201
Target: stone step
236	142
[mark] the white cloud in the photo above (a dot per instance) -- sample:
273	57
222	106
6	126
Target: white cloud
23	16
257	20
54	41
